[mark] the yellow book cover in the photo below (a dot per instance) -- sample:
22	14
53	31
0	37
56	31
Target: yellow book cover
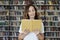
31	25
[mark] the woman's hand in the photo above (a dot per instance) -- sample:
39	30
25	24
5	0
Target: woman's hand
36	31
38	34
22	35
26	31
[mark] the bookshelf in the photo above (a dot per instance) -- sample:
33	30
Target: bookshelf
52	20
11	12
4	19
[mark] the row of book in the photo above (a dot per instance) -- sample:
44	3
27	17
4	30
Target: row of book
52	34
40	7
14	28
24	2
9	38
4	33
15	18
15	13
53	2
12	38
48	7
13	34
52	29
9	13
50	18
51	23
4	7
52	39
3	13
4	17
13	23
16	7
4	23
4	2
12	18
4	28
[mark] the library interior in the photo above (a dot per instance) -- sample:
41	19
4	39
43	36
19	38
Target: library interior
11	12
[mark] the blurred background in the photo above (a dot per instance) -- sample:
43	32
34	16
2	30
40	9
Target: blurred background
11	12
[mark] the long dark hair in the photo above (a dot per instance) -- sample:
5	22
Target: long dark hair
25	14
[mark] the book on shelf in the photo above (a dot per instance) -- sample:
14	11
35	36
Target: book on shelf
50	13
15	2
58	18
1	38
6	28
31	25
50	7
39	2
7	13
58	29
2	8
11	8
47	29
1	3
6	33
5	2
17	33
12	13
12	17
13	33
55	18
59	2
43	7
52	23
15	28
47	34
18	13
15	38
43	17
9	38
13	23
2	23
28	2
1	28
11	28
15	8
6	7
11	2
10	33
6	38
1	33
20	2
45	23
47	38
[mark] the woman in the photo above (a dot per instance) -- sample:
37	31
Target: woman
31	13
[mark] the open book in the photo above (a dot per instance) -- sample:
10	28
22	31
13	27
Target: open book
31	24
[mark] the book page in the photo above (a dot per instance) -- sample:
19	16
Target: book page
26	24
31	25
36	25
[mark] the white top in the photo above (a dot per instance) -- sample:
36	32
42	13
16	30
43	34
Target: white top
31	35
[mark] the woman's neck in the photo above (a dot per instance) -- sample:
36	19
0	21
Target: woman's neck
32	18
